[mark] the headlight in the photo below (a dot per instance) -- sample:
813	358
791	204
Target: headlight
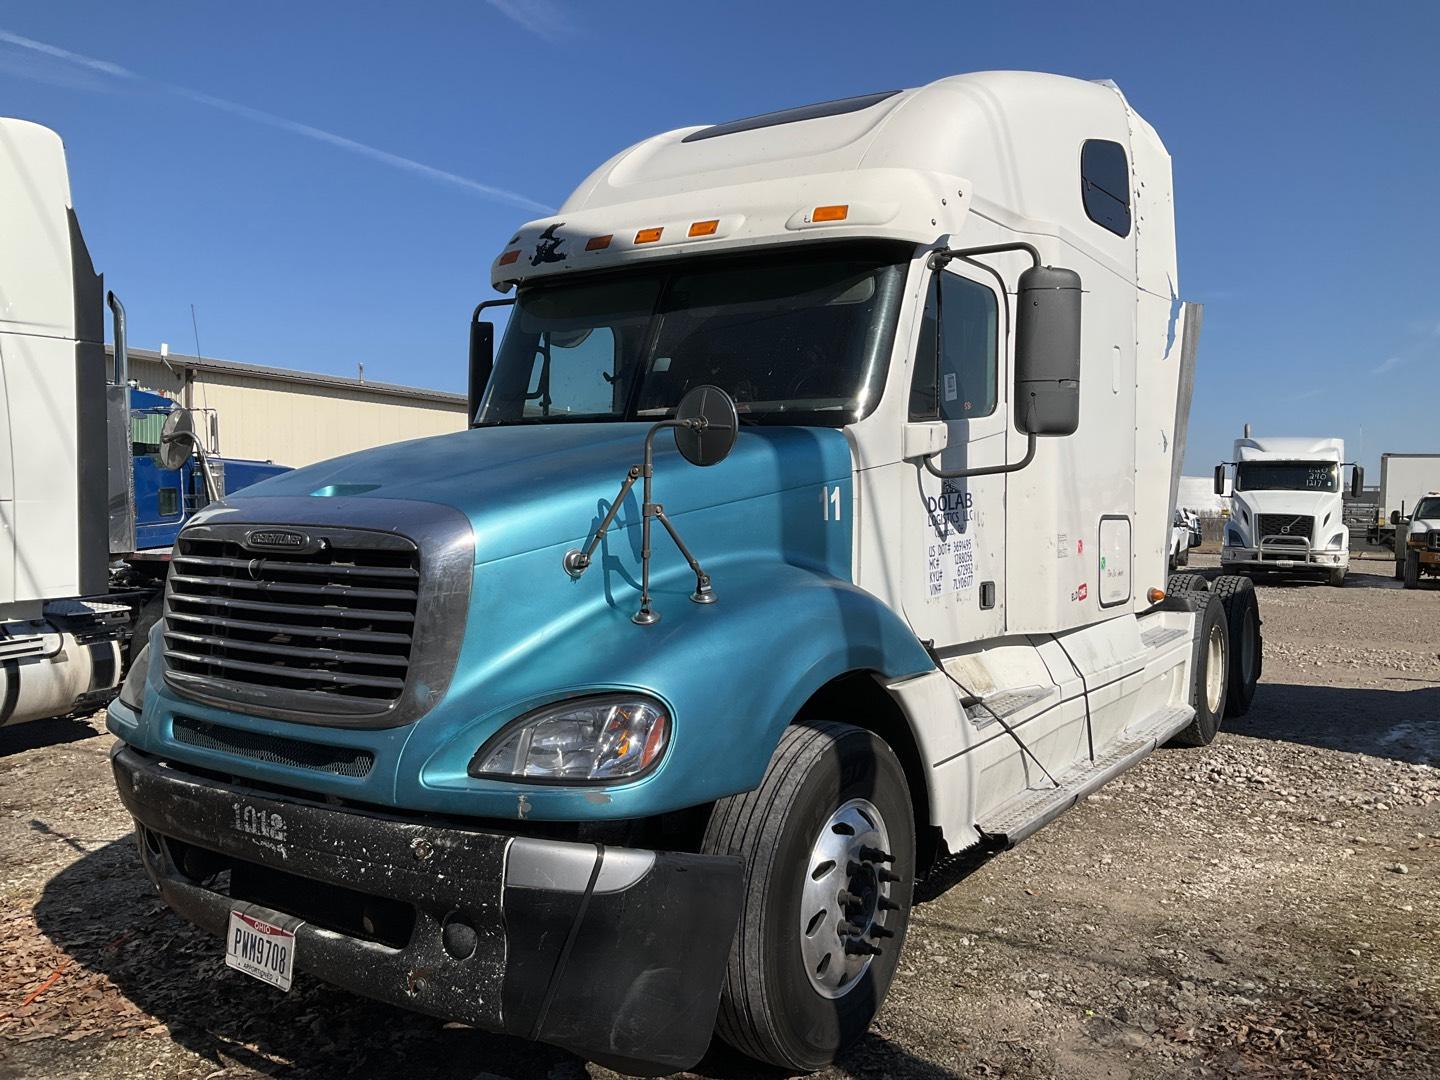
132	690
596	739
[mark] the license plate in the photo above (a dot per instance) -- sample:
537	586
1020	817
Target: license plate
260	949
1285	564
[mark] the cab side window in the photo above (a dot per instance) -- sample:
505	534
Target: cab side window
964	385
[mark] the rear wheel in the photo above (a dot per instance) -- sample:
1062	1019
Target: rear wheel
828	842
1210	663
1412	570
1184	584
1242	619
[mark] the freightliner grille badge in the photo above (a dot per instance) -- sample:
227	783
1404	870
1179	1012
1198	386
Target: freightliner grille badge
281	540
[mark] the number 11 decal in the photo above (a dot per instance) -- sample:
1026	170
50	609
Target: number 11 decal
830	495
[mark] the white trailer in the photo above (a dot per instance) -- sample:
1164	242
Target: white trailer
1286	507
1404	480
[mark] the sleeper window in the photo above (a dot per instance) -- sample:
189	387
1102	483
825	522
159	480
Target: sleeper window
965	386
1105	185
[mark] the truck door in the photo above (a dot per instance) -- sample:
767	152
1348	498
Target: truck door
954	558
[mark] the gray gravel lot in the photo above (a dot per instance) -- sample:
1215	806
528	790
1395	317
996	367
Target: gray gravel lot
1267	906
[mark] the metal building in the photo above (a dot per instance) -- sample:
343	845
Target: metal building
293	417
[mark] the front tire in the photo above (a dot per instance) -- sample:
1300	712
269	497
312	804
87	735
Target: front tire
828	842
1336	577
1412	569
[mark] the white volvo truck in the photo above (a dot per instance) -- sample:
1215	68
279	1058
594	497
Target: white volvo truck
1287	507
459	726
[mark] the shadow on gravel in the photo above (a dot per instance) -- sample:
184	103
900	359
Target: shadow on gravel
35	734
1401	724
103	913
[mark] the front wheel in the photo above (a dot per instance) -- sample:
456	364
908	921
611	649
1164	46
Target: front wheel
1412	570
828	842
1337	577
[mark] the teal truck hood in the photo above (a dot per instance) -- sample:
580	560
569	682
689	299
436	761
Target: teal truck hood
772	525
530	486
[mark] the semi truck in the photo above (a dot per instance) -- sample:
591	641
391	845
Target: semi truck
1404	478
1286	507
96	475
811	529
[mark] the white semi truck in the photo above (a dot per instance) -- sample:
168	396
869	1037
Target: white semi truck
1286	507
461	730
76	490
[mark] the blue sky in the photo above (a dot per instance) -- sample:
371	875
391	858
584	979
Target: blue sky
328	182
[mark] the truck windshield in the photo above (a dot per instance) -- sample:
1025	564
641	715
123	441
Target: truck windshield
1428	509
1287	476
798	337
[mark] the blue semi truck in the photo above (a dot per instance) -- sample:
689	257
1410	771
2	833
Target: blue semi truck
805	534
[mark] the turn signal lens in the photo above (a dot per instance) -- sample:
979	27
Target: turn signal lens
509	257
1155	595
830	213
598	243
648	236
704	228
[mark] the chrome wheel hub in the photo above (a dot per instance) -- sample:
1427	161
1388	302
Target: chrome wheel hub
846	900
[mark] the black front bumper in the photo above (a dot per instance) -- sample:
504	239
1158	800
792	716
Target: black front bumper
614	953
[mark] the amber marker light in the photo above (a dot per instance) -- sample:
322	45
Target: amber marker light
1155	595
830	213
648	236
705	228
598	243
509	257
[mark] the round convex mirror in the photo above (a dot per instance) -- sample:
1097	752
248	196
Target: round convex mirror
177	438
709	425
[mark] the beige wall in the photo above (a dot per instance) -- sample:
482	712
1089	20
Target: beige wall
293	423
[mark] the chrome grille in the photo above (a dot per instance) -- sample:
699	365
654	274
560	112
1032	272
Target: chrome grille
1287	528
1435	539
338	621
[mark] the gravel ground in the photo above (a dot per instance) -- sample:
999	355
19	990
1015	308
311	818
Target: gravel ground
1266	907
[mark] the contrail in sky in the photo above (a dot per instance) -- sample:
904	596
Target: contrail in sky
259	116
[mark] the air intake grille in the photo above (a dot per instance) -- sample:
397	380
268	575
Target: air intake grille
337	622
1296	528
273	749
1434	540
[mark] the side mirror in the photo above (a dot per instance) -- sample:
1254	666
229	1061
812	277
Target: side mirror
1357	481
482	362
1047	351
706	425
482	354
1394	517
1219	479
177	438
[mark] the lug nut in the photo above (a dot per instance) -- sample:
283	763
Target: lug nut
875	855
886	904
847	899
861	948
886	875
881	931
